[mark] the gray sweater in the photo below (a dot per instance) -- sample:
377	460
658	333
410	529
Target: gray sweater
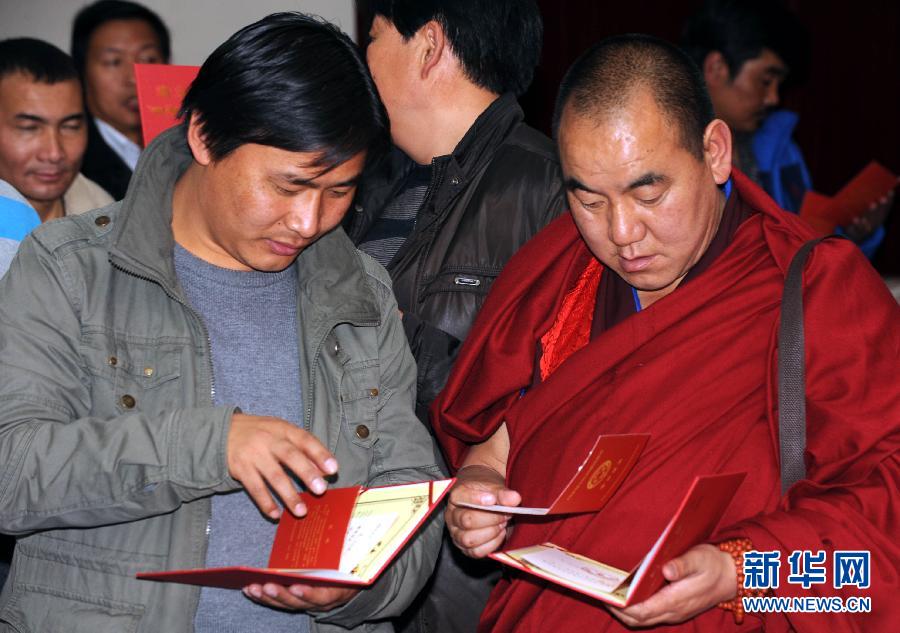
251	318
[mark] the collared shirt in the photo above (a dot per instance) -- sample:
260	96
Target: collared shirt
124	147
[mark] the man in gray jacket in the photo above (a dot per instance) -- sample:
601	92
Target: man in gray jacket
169	362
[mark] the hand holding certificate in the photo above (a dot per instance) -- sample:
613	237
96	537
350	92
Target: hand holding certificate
348	537
596	480
693	523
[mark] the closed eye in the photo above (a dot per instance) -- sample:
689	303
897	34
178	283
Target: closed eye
339	193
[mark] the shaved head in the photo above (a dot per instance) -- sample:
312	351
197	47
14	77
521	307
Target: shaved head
604	80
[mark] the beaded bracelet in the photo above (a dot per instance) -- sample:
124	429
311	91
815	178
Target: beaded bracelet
736	549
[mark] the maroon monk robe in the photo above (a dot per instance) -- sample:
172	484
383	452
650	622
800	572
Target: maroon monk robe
698	371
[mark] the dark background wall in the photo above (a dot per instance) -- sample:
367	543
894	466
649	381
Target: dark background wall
849	104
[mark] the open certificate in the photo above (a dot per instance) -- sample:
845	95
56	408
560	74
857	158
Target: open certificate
693	523
348	537
601	473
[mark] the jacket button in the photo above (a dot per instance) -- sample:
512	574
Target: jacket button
336	349
362	431
148	371
102	220
128	401
373	392
113	361
454	180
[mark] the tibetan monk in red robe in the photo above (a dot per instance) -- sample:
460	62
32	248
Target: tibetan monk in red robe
653	308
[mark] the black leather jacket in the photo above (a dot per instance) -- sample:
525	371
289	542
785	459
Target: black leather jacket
499	187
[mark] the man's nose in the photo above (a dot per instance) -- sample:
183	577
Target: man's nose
624	226
129	73
772	97
305	217
52	149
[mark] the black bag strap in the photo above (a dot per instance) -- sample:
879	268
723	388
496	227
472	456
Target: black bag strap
792	373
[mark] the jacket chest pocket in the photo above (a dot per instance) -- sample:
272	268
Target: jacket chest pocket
476	282
132	374
362	398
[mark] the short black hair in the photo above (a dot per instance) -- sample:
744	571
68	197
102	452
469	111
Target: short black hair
741	29
42	60
93	16
497	42
607	75
289	81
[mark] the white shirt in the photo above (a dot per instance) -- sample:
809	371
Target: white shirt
124	147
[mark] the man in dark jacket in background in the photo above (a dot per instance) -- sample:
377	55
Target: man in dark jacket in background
467	185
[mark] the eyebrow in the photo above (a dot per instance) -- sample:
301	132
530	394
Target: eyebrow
650	178
311	182
776	71
24	116
114	49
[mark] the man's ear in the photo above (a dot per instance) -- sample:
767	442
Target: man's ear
433	45
717	148
715	69
196	141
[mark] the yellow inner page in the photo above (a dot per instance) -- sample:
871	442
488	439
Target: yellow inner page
382	520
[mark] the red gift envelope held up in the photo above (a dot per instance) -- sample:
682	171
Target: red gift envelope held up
610	459
693	523
160	90
348	537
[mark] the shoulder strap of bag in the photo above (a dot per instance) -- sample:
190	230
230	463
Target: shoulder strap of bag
792	373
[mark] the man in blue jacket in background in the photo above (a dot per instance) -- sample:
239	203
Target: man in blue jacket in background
745	50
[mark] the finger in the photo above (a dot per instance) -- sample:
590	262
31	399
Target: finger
488	548
623	617
480	543
284	487
475	492
323	598
509	497
469	519
306	470
281	598
641	620
259	493
314	450
694	561
258	594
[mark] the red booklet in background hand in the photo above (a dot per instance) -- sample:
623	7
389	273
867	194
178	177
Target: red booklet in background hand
865	189
601	473
160	90
348	537
693	523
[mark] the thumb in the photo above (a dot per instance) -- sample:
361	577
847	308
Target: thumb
676	569
509	497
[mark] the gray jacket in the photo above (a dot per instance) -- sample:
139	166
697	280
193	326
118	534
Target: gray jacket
110	447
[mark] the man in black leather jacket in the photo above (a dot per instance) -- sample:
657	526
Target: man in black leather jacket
467	184
490	181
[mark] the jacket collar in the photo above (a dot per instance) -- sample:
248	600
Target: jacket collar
330	273
487	132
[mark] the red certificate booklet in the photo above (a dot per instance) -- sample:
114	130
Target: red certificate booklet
348	537
160	90
608	462
694	521
867	188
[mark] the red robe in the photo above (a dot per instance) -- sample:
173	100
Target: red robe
697	370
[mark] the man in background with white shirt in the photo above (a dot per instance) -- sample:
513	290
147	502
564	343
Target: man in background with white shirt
108	38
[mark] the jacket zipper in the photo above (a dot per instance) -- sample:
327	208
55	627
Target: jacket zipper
437	179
